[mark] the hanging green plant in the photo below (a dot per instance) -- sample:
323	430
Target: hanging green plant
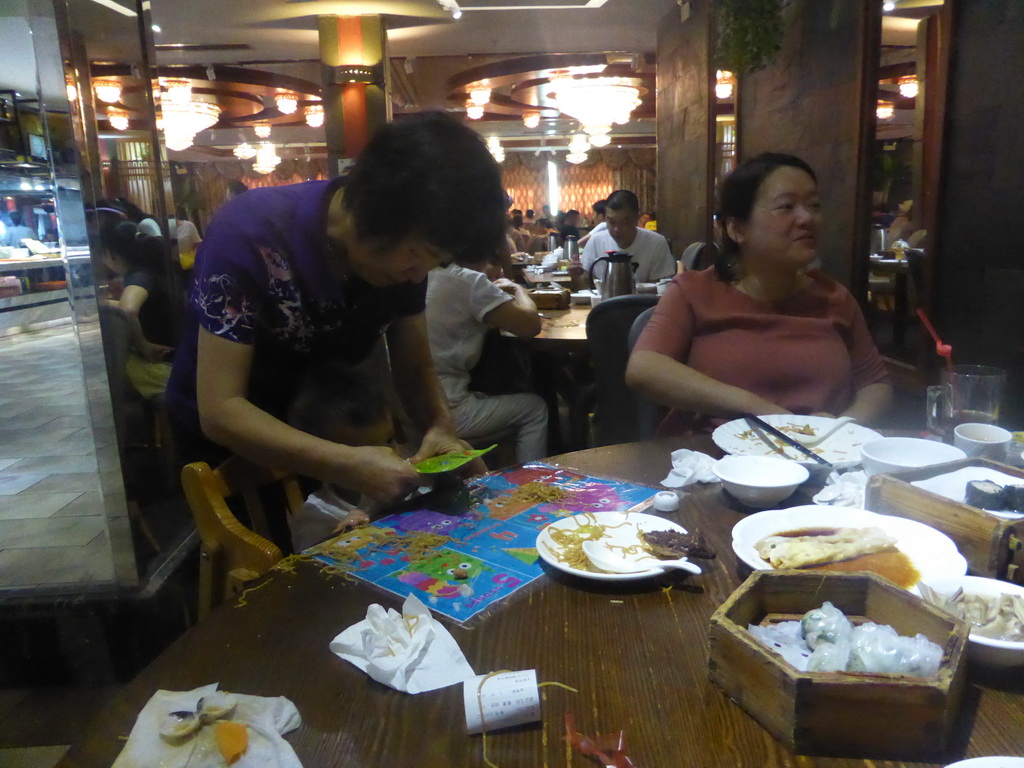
749	33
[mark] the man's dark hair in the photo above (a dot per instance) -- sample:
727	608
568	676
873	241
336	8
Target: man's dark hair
430	176
571	212
623	200
15	218
599	207
517	212
517	220
529	213
736	198
333	395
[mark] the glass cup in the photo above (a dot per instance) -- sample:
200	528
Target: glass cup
937	410
975	393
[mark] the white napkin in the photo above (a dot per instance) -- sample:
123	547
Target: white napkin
267	718
843	490
410	651
690	467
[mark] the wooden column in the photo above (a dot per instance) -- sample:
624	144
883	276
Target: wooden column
353	52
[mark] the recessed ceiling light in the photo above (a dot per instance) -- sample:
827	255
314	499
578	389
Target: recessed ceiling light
156	28
889	5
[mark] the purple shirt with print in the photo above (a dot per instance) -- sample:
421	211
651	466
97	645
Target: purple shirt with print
263	278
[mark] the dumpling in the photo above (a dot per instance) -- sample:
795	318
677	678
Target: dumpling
825	625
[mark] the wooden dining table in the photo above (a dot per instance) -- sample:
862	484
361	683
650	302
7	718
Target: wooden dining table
636	652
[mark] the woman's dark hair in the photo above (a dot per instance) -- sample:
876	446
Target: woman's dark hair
736	199
430	176
131	210
139	250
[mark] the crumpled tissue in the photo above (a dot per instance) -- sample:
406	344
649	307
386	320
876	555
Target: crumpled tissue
845	490
267	719
408	651
690	467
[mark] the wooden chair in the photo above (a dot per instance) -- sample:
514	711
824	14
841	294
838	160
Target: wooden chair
232	554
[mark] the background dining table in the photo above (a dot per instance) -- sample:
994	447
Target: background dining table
636	652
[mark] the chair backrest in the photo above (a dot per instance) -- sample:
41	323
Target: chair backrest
231	553
608	327
699	255
648	414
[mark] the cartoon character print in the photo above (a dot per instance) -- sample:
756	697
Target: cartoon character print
435	574
347	545
524	475
425	521
590	497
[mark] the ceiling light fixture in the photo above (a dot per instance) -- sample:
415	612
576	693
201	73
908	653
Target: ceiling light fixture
474	111
262	130
908	86
72	90
452	7
108	91
889	5
178	89
118	118
578	143
244	151
531	119
576	157
266	158
314	115
495	148
724	82
885	110
597	102
182	120
287	103
480	93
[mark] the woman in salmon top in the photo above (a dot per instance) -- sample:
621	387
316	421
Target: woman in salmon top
762	331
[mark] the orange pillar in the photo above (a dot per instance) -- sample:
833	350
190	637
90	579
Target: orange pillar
353	50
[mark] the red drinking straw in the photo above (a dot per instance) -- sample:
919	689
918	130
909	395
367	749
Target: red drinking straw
943	350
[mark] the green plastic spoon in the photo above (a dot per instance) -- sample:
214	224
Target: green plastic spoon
449	461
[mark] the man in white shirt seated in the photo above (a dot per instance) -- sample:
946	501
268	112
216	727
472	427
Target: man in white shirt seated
598	223
649	250
462	305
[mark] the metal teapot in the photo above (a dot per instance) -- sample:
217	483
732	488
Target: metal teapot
619	278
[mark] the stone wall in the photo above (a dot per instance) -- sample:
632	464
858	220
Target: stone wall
683	90
808	102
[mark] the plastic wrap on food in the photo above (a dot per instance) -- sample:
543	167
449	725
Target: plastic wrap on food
825	625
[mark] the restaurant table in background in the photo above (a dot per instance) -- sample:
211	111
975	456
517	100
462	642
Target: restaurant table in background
636	651
543	278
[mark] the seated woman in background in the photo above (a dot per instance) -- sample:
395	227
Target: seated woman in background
140	260
462	305
761	332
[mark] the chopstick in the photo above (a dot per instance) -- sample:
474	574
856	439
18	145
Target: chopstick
757	423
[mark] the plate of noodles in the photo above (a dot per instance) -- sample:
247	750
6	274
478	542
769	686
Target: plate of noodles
560	544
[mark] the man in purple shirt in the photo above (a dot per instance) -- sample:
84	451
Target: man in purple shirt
291	275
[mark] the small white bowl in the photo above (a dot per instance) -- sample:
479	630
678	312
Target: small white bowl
892	454
760	481
1002	654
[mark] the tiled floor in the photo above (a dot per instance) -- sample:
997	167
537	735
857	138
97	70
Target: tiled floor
52	525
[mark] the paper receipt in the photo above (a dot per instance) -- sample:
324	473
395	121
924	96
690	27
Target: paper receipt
506	699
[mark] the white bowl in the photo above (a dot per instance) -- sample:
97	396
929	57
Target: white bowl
891	454
760	481
1002	654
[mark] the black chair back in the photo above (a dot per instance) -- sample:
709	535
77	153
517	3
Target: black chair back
648	414
608	329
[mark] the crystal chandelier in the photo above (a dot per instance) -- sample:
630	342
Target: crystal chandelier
885	110
314	115
597	102
531	119
578	147
495	148
287	103
908	86
266	158
724	81
108	91
474	111
118	118
480	93
262	130
183	120
244	151
178	89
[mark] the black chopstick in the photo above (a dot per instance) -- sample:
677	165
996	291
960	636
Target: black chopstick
756	422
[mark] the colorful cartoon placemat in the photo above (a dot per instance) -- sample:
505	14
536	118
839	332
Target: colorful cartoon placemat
461	554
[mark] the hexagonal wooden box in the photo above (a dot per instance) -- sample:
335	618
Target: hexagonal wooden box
838	713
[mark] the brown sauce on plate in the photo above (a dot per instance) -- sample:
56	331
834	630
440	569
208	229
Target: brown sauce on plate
808	532
895	566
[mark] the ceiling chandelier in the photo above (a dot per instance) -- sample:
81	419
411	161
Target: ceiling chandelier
578	148
262	130
118	118
908	86
724	82
597	102
885	110
531	118
480	93
108	91
314	115
183	115
495	148
474	111
287	103
266	158
244	151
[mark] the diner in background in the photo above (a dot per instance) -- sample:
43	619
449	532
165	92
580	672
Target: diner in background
648	250
291	275
146	301
462	305
762	331
17	231
598	224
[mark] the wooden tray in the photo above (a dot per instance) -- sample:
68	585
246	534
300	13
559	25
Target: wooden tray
838	713
550	299
992	545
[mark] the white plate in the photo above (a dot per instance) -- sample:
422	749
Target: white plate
953	485
623	531
989	762
932	553
841	448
